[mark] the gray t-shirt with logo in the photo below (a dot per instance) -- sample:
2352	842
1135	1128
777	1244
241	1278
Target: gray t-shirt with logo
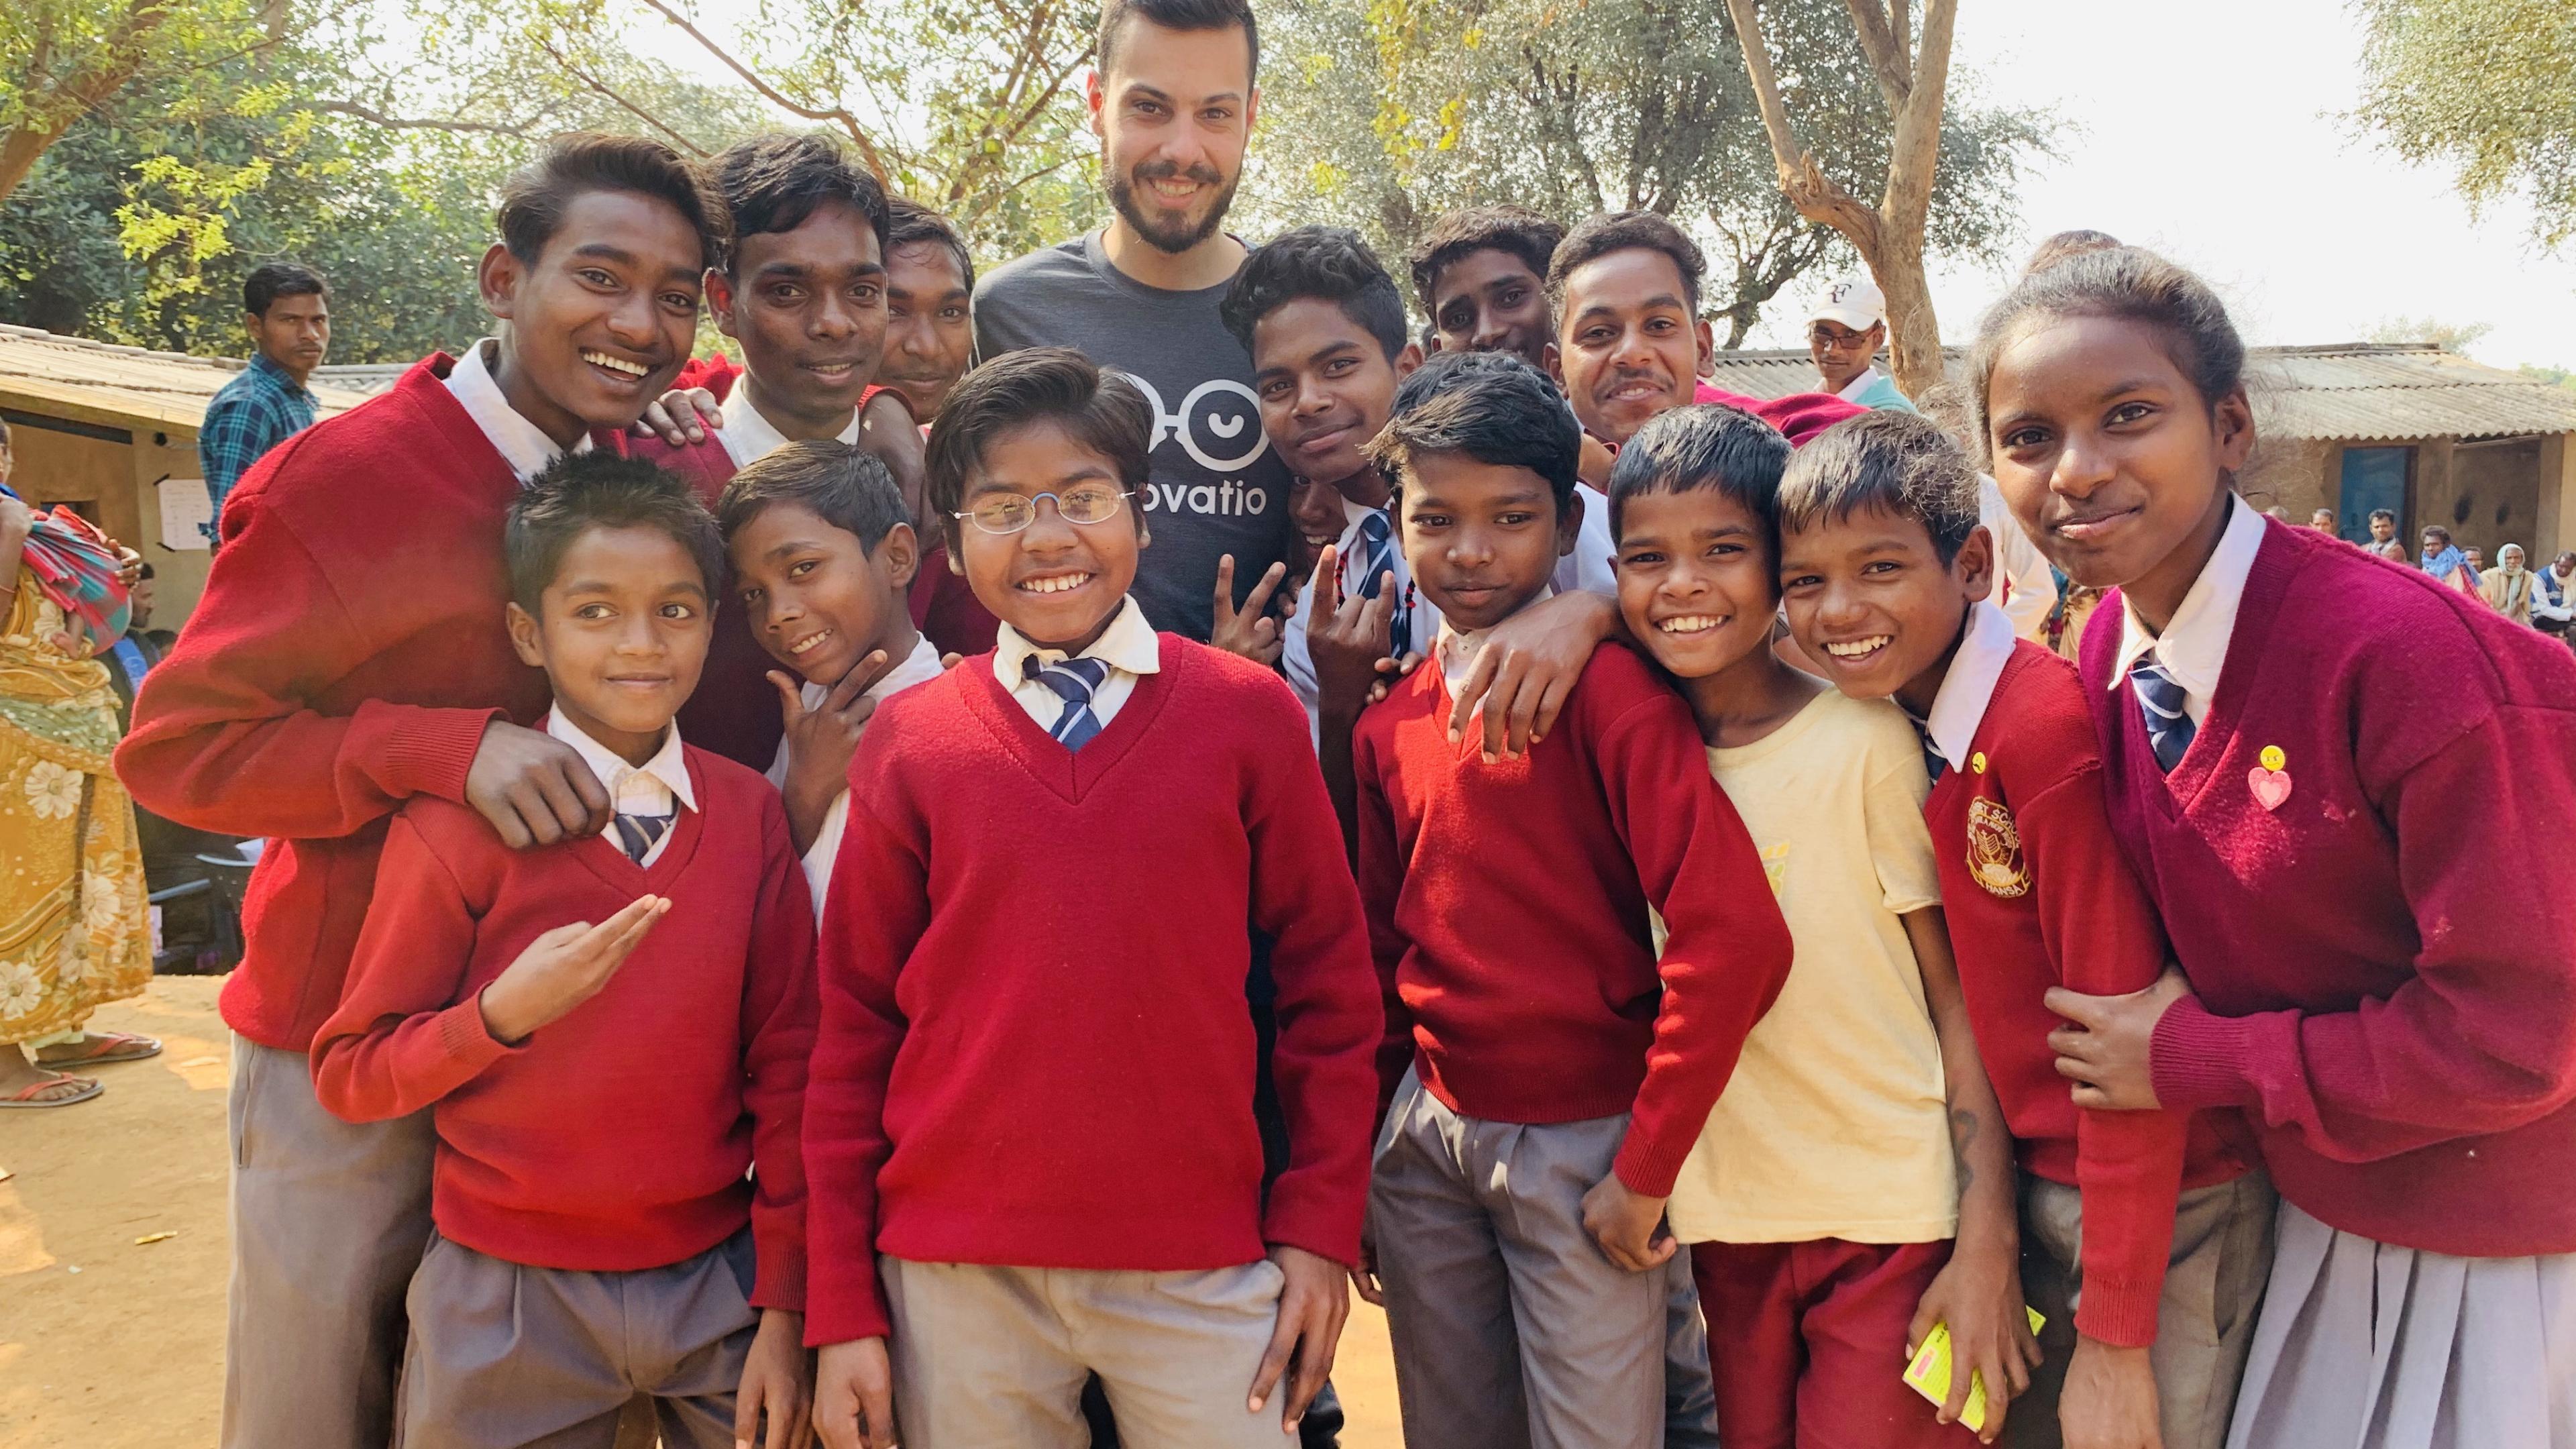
1215	485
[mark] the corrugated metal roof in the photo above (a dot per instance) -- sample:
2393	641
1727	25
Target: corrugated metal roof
105	383
2356	390
368	378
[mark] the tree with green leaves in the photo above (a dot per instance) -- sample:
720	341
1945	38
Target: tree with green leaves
1382	114
2487	87
64	61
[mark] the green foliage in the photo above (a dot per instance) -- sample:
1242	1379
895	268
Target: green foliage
1382	114
2554	376
2487	87
2456	337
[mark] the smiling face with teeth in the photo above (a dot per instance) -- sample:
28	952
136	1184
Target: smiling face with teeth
817	598
1696	586
601	318
1058	583
1174	111
1629	347
808	306
1873	604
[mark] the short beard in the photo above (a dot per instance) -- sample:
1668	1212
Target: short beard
1168	240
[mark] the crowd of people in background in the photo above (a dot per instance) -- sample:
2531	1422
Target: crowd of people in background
976	865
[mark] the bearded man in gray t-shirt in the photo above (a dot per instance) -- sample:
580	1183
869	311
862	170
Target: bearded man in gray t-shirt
1173	107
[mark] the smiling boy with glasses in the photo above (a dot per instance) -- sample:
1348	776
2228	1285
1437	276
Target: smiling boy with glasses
1032	1090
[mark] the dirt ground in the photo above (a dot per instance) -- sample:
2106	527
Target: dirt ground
107	1342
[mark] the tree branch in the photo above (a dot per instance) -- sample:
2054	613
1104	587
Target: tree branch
375	117
1812	192
1886	53
837	115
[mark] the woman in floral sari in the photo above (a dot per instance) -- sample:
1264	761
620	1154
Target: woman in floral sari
74	929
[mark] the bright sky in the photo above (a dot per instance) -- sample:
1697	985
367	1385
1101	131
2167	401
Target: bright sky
2211	131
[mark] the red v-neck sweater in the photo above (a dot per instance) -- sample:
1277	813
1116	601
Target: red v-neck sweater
2385	964
2037	895
1035	1047
346	656
615	1138
1508	913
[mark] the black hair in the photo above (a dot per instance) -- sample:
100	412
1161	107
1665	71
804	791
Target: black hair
1178	15
1705	445
579	492
2066	246
2128	284
1887	460
145	573
1514	230
536	196
844	486
908	222
1103	411
776	182
1492	406
271	280
1618	231
2434	530
2390	514
1329	263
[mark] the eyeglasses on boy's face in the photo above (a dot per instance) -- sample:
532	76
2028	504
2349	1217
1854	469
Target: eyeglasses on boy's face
1011	512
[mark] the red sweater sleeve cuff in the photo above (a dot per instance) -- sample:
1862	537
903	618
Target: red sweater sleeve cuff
778	1273
2196	1059
427	751
467	1039
832	1318
1648	1167
2118	1312
1299	1218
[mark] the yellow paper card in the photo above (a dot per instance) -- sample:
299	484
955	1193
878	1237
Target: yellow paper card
1929	1373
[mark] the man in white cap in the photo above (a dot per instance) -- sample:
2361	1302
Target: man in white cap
1849	327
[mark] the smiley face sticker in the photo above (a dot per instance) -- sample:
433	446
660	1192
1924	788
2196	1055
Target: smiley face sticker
2270	780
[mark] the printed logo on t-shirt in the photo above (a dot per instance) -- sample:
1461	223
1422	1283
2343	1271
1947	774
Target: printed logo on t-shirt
1775	865
1218	424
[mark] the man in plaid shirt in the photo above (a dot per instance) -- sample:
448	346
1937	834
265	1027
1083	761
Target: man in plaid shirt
288	312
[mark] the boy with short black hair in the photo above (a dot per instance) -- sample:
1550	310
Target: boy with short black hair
1879	523
1035	1123
598	1091
823	556
1545	1067
1480	274
1857	1140
348	656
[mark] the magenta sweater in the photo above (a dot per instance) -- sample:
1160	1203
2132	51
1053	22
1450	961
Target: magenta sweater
2385	961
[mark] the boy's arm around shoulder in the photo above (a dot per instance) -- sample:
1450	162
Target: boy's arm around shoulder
778	1012
407	1033
225	737
1331	1025
2103	936
874	912
1728	947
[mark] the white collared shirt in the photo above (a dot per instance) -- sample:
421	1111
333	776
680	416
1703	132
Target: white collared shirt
919	667
748	436
1128	646
2193	646
1861	382
2541	607
521	444
1458	651
2029	590
659	786
1960	705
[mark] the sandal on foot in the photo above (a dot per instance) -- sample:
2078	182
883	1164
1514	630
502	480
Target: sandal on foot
99	1048
26	1096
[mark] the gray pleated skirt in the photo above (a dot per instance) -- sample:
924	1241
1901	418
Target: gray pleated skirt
2362	1345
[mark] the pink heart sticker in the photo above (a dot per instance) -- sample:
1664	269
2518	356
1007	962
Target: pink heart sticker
2270	787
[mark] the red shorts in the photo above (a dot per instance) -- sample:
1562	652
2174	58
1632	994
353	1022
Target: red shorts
1806	1344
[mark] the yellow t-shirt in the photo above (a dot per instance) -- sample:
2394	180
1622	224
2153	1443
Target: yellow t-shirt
1834	1124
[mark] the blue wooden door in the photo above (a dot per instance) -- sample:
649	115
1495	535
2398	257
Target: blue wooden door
2373	478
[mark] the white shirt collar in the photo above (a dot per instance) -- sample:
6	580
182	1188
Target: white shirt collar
749	437
1128	643
919	667
1984	648
645	789
521	444
1458	650
2193	646
1853	389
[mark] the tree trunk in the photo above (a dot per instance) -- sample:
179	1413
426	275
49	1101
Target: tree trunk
19	152
1913	332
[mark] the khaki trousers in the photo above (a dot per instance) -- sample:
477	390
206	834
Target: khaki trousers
329	1218
990	1356
2222	1256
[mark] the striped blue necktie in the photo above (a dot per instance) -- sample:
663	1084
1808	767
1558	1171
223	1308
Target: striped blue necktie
2169	726
638	832
1073	681
1377	546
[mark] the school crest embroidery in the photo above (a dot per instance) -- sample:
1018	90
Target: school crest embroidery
1994	850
